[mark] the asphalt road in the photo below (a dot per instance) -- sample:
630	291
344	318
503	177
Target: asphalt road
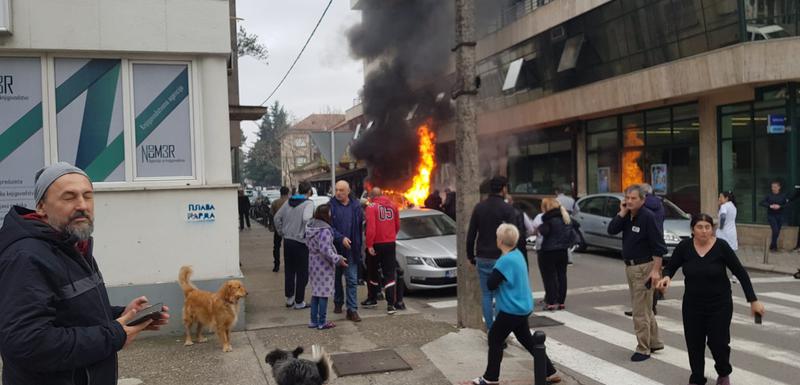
596	341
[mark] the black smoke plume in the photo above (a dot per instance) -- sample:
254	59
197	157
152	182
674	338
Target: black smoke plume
408	42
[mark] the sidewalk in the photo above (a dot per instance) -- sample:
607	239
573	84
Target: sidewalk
783	261
437	351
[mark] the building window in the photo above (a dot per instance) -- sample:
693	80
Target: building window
541	161
299	142
22	145
659	147
752	156
300	161
89	119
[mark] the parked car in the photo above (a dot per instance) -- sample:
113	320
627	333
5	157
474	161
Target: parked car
273	194
594	212
426	249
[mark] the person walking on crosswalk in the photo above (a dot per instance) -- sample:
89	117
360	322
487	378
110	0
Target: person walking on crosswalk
509	282
707	299
642	250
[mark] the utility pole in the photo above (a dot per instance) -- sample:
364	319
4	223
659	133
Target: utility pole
467	178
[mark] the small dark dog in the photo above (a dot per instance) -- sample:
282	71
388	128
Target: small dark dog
290	370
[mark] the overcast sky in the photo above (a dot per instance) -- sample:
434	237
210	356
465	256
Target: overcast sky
325	77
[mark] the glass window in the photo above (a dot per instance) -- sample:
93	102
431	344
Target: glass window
299	142
425	226
300	161
684	178
658	134
658	116
89	117
593	206
163	120
603	141
684	112
737	175
686	132
737	126
599	125
603	172
21	134
770	163
633	135
611	207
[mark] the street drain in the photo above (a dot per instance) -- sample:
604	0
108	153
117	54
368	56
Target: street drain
378	361
540	321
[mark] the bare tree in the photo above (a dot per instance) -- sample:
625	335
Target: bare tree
248	45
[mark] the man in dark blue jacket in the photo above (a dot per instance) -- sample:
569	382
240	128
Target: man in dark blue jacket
57	325
642	250
347	218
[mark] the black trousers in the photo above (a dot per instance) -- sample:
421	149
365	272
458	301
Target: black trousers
775	223
504	324
703	324
295	272
242	218
276	250
554	275
385	260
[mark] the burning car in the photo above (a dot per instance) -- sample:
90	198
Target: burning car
426	249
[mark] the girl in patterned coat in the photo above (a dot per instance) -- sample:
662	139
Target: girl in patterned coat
322	261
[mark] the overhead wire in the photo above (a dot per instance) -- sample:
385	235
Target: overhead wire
277	87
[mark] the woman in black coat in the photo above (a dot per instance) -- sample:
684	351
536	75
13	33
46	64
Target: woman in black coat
556	229
707	301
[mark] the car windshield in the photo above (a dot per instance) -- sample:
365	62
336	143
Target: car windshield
672	211
424	226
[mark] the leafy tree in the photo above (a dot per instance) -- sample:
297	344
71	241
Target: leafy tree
248	45
262	163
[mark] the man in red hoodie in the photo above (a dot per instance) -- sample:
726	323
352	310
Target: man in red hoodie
383	223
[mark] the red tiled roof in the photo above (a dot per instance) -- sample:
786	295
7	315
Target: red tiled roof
318	122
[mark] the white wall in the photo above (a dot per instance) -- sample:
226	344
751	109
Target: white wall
142	237
178	26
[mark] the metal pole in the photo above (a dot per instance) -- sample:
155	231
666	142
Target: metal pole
333	161
467	178
539	359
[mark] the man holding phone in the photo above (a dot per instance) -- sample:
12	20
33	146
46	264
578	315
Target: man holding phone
642	249
57	325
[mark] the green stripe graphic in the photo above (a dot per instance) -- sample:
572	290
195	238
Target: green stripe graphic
147	121
97	118
30	123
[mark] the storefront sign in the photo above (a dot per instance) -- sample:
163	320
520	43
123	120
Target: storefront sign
658	178
163	124
204	212
603	179
5	17
776	124
21	137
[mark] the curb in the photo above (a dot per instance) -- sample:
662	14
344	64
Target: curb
770	268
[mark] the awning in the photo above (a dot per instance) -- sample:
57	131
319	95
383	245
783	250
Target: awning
242	113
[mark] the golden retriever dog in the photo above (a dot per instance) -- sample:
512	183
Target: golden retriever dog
217	311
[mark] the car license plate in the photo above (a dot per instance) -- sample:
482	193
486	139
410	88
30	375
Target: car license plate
450	273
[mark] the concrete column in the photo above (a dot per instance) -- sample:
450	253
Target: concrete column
709	179
580	159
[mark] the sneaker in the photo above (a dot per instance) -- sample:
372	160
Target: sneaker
300	306
312	325
390	310
289	301
352	315
725	380
400	306
483	381
326	325
639	357
369	303
337	308
629	313
561	306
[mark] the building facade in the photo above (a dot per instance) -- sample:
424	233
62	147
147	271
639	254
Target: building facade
137	95
692	96
300	158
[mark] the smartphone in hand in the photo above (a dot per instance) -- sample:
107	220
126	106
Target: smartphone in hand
150	312
758	319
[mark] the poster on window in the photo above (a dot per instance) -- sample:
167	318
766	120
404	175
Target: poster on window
603	179
89	119
21	134
658	178
163	122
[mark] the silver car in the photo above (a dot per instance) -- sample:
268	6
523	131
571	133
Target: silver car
594	213
426	249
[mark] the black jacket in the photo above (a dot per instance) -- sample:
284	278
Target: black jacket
486	217
56	325
244	204
641	237
557	234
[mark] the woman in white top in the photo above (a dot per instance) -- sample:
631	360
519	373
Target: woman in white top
727	219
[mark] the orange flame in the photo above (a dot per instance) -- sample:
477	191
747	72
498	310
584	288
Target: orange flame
421	188
631	172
